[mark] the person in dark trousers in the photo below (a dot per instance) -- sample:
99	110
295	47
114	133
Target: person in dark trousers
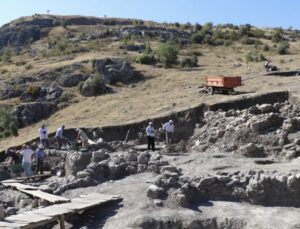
40	156
59	136
150	136
43	133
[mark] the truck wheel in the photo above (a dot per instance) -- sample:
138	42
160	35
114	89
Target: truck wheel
210	90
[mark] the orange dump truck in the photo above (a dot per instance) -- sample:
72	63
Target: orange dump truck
223	84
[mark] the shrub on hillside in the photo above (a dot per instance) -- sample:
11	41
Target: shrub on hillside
197	27
167	54
20	63
283	48
277	35
8	124
250	57
33	90
257	33
266	47
194	52
197	38
207	28
3	71
146	59
189	61
28	67
247	40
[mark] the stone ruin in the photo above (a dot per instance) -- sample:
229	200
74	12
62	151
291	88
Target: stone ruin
260	144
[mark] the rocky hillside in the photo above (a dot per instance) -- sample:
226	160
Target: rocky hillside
108	71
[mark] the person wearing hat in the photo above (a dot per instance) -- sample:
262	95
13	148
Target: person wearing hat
26	160
83	138
40	156
169	129
150	136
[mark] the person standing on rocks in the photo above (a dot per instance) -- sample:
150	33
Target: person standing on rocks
59	136
26	161
43	133
40	156
169	129
83	138
150	136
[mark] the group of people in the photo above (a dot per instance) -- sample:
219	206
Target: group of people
26	152
59	138
168	128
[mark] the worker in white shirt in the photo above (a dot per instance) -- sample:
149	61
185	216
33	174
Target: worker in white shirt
59	136
150	136
26	160
169	129
83	138
43	133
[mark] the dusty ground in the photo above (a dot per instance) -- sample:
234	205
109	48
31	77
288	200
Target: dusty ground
135	206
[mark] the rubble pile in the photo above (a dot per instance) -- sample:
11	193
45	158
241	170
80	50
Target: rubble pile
261	130
84	169
255	187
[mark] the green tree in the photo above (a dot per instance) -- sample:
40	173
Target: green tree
167	54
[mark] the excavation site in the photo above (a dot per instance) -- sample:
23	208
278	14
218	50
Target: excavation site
149	114
229	163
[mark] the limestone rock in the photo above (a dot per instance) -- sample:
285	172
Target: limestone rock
29	113
155	192
114	70
252	150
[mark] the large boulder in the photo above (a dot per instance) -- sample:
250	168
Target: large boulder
71	80
94	86
29	113
77	161
291	125
11	91
50	93
266	122
41	93
251	150
155	192
114	70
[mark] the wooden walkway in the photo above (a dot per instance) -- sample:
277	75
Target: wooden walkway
33	191
43	216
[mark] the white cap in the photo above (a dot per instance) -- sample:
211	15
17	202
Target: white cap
77	129
170	121
150	123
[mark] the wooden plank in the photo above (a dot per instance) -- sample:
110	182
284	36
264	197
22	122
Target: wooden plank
19	186
35	192
54	211
46	196
40	217
40	176
4	224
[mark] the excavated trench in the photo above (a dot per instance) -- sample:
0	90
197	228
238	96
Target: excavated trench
253	141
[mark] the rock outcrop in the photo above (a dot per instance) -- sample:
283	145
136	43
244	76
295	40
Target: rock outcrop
113	70
29	113
94	86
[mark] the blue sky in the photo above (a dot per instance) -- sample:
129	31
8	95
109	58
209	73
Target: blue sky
263	13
